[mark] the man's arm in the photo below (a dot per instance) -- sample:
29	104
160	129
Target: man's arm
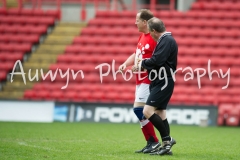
159	57
128	62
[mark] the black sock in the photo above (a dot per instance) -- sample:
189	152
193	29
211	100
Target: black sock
166	124
158	123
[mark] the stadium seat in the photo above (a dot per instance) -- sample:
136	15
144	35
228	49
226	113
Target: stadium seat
223	112
233	118
3	75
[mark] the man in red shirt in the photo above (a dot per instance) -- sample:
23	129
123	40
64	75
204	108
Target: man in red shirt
145	48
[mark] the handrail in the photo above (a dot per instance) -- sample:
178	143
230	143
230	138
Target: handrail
153	6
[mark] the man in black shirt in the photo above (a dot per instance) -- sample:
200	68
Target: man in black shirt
160	66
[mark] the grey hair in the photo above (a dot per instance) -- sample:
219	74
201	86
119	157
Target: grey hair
156	24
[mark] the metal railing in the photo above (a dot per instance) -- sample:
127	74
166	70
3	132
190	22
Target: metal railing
112	5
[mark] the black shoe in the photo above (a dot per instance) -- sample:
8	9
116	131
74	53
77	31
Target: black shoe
166	148
141	150
152	147
172	141
149	142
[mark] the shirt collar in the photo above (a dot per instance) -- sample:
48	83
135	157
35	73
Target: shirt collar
163	35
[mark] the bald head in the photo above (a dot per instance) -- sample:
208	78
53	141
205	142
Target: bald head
156	24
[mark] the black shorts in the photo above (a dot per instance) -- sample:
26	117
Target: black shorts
159	98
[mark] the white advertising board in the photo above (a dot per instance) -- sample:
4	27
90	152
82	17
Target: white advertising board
24	111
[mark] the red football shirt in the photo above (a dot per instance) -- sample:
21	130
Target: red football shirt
144	50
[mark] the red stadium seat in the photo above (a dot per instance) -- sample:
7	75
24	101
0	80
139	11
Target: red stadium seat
14	11
223	112
26	12
3	75
233	118
29	94
70	96
3	11
53	13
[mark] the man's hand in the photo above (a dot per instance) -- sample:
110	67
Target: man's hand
135	68
122	67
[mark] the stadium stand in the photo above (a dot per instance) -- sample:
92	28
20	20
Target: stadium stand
208	31
21	31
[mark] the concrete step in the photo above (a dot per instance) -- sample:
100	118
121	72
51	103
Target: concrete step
59	39
51	48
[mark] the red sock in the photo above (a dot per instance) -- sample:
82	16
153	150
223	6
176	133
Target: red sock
148	130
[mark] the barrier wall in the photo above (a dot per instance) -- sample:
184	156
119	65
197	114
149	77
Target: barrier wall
24	111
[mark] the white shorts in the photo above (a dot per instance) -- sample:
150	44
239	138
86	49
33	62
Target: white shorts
142	93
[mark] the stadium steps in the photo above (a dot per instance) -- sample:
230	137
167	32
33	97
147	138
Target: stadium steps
45	55
12	3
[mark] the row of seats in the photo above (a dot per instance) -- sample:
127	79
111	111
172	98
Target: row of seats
208	32
208	14
128	49
108	31
90	59
27	20
23	29
209	51
101	49
98	40
188	60
205	42
20	38
221	83
31	12
129	87
6	56
120	96
86	96
108	58
216	6
24	47
76	87
111	22
6	66
183	41
182	32
196	99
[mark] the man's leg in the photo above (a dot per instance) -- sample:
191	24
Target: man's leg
162	114
147	129
149	112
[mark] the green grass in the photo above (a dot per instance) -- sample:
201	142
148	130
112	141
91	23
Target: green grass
73	141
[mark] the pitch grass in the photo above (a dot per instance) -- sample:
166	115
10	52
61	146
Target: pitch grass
107	141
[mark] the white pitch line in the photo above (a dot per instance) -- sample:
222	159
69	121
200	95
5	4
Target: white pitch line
39	147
